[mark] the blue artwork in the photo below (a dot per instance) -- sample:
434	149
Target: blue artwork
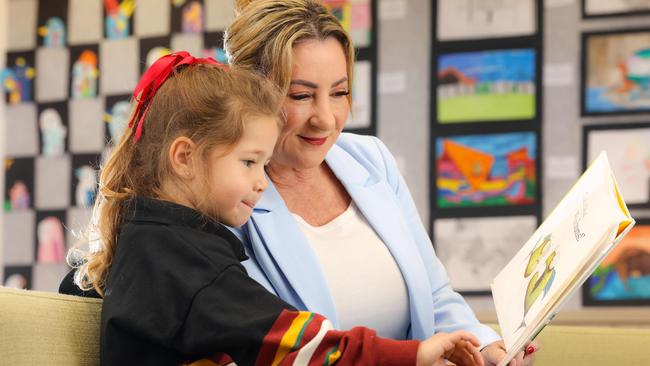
624	275
53	32
618	73
494	85
17	81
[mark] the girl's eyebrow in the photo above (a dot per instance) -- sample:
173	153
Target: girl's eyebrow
309	84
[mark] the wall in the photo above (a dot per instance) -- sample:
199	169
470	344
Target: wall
404	46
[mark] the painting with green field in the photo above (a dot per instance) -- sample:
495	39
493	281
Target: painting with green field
483	86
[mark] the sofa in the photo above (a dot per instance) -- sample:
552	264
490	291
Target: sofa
42	328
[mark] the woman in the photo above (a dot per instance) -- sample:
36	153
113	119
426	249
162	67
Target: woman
337	231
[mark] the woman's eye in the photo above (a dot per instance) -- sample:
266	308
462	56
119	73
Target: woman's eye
248	163
342	93
299	96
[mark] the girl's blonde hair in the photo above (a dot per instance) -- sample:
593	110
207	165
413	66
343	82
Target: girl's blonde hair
264	32
202	102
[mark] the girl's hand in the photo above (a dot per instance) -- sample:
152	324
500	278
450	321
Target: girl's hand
459	347
496	351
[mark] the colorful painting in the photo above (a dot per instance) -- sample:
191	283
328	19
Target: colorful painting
479	19
486	170
601	8
118	18
628	151
17	80
617	72
85	73
193	17
623	277
356	18
496	85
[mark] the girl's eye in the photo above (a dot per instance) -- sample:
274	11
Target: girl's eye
248	163
299	96
342	93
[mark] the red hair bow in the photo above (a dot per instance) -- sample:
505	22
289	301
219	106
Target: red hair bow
154	77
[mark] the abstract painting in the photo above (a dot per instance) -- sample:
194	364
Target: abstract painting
486	170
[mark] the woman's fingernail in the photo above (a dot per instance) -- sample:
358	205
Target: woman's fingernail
530	350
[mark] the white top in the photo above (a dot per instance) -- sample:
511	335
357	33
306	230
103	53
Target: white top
366	285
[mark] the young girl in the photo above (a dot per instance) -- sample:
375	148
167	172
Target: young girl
169	270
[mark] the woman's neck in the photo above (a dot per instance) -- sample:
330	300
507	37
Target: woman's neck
284	176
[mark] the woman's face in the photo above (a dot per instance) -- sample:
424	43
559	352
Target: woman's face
316	105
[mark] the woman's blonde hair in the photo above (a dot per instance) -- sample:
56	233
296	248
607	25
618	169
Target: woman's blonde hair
205	103
264	32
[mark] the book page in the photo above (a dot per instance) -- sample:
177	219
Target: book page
580	228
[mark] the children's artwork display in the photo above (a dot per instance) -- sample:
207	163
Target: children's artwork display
479	19
356	17
70	70
492	85
616	67
462	244
486	170
623	277
628	149
608	8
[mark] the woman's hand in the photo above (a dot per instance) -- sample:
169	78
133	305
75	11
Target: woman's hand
494	352
459	347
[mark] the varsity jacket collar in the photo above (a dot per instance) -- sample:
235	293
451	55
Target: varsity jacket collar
143	209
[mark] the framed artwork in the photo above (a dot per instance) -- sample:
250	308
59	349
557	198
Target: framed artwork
623	277
356	17
462	244
608	8
479	19
486	170
486	86
628	151
615	76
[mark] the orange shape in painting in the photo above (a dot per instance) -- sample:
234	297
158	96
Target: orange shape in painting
475	165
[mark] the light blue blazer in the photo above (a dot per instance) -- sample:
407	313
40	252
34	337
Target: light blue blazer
282	260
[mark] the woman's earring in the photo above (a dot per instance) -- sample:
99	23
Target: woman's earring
187	173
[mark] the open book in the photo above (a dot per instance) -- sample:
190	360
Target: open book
560	255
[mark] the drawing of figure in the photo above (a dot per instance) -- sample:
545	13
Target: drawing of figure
16	280
193	17
541	272
53	32
19	196
118	119
117	18
84	76
51	243
53	133
17	81
87	187
156	53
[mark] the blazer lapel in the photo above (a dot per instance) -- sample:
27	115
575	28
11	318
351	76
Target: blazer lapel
287	257
375	199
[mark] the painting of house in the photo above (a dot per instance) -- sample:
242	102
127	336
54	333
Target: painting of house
495	85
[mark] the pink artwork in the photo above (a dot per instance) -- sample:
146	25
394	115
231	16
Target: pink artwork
51	242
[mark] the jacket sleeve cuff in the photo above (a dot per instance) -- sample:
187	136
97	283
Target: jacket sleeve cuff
396	353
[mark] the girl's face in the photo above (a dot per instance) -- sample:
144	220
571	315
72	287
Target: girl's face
237	178
316	105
